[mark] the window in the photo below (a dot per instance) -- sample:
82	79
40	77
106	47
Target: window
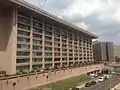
37	67
37	30
56	40
48	43
64	41
70	46
64	50
56	44
57	59
70	54
22	60
23	53
37	24
21	39
37	48
37	53
23	46
64	59
70	50
63	33
70	42
22	68
37	42
24	33
64	37
37	59
22	26
48	54
48	33
48	38
56	49
48	27
56	35
56	30
23	20
37	35
70	58
48	48
64	54
57	54
48	59
63	45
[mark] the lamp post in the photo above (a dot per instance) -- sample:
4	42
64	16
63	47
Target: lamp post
51	80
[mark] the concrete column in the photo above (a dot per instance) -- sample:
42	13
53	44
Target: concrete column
14	40
78	47
53	62
67	50
73	46
31	41
43	47
60	47
82	47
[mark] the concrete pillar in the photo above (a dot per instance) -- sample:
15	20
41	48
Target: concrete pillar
43	47
31	41
53	62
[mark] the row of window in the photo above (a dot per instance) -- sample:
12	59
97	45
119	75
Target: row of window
39	60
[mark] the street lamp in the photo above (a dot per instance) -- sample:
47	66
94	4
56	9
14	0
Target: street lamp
51	79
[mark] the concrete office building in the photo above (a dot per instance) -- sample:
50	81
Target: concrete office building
103	51
31	38
117	50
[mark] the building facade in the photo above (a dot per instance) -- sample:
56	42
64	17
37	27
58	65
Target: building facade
103	51
33	39
117	50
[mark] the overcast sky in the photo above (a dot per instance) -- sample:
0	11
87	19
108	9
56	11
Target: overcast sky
101	17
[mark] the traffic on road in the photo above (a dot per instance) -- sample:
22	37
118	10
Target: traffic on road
100	82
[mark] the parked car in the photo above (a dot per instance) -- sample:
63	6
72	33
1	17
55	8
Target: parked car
90	83
101	79
106	76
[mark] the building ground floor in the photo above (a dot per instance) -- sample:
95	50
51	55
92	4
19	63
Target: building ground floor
27	81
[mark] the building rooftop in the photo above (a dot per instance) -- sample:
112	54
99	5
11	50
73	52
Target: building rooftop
49	15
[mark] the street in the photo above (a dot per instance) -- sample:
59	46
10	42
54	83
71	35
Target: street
103	85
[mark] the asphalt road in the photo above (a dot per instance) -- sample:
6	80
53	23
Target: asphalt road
103	85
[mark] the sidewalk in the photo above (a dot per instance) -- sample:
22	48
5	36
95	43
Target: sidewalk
117	87
81	86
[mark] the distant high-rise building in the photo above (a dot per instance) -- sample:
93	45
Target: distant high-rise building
103	51
117	50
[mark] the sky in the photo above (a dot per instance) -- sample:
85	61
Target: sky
101	17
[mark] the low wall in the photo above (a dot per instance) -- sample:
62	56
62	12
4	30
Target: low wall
26	82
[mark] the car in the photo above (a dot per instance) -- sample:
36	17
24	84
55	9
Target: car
101	79
106	76
90	83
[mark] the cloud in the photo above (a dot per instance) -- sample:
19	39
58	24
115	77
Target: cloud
98	16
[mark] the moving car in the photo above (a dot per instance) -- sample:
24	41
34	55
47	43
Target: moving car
90	83
101	79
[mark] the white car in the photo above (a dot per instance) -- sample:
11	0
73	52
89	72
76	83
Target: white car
101	79
106	76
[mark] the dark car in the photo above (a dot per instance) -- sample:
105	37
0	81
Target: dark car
90	83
